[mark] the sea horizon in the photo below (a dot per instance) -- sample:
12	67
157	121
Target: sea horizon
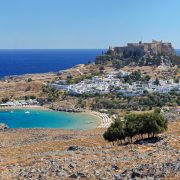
14	62
32	61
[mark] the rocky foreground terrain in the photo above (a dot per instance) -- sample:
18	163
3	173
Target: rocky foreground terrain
62	154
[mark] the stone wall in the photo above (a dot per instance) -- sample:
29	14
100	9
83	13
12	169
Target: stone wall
156	47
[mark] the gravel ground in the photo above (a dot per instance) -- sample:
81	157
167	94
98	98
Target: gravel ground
59	154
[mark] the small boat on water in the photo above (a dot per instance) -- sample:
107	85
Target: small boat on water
27	112
12	111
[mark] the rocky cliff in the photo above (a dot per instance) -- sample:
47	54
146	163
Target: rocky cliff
153	53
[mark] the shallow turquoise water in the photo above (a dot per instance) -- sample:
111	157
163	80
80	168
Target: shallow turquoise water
47	119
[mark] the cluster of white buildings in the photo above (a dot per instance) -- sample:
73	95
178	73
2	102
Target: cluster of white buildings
20	103
111	83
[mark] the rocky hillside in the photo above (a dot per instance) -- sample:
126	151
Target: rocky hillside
140	54
62	154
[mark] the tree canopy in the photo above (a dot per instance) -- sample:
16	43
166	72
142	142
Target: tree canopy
136	125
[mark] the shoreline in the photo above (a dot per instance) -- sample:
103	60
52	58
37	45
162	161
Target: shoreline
24	107
105	121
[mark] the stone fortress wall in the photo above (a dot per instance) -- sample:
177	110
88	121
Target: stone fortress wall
154	48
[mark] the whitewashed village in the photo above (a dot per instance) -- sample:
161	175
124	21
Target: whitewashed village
16	103
112	83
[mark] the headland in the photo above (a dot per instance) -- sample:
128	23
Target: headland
137	79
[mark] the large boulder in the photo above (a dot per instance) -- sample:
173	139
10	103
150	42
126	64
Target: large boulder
74	148
3	126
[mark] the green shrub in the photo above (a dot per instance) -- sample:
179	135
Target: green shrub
29	80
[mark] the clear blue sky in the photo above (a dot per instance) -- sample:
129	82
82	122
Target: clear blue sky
87	23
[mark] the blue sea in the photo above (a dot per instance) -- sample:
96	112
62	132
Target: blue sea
178	52
25	118
17	62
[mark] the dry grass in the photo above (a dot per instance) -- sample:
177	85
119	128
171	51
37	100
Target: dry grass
29	143
28	147
17	87
18	144
154	72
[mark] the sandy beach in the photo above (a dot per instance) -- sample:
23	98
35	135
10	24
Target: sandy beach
105	120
